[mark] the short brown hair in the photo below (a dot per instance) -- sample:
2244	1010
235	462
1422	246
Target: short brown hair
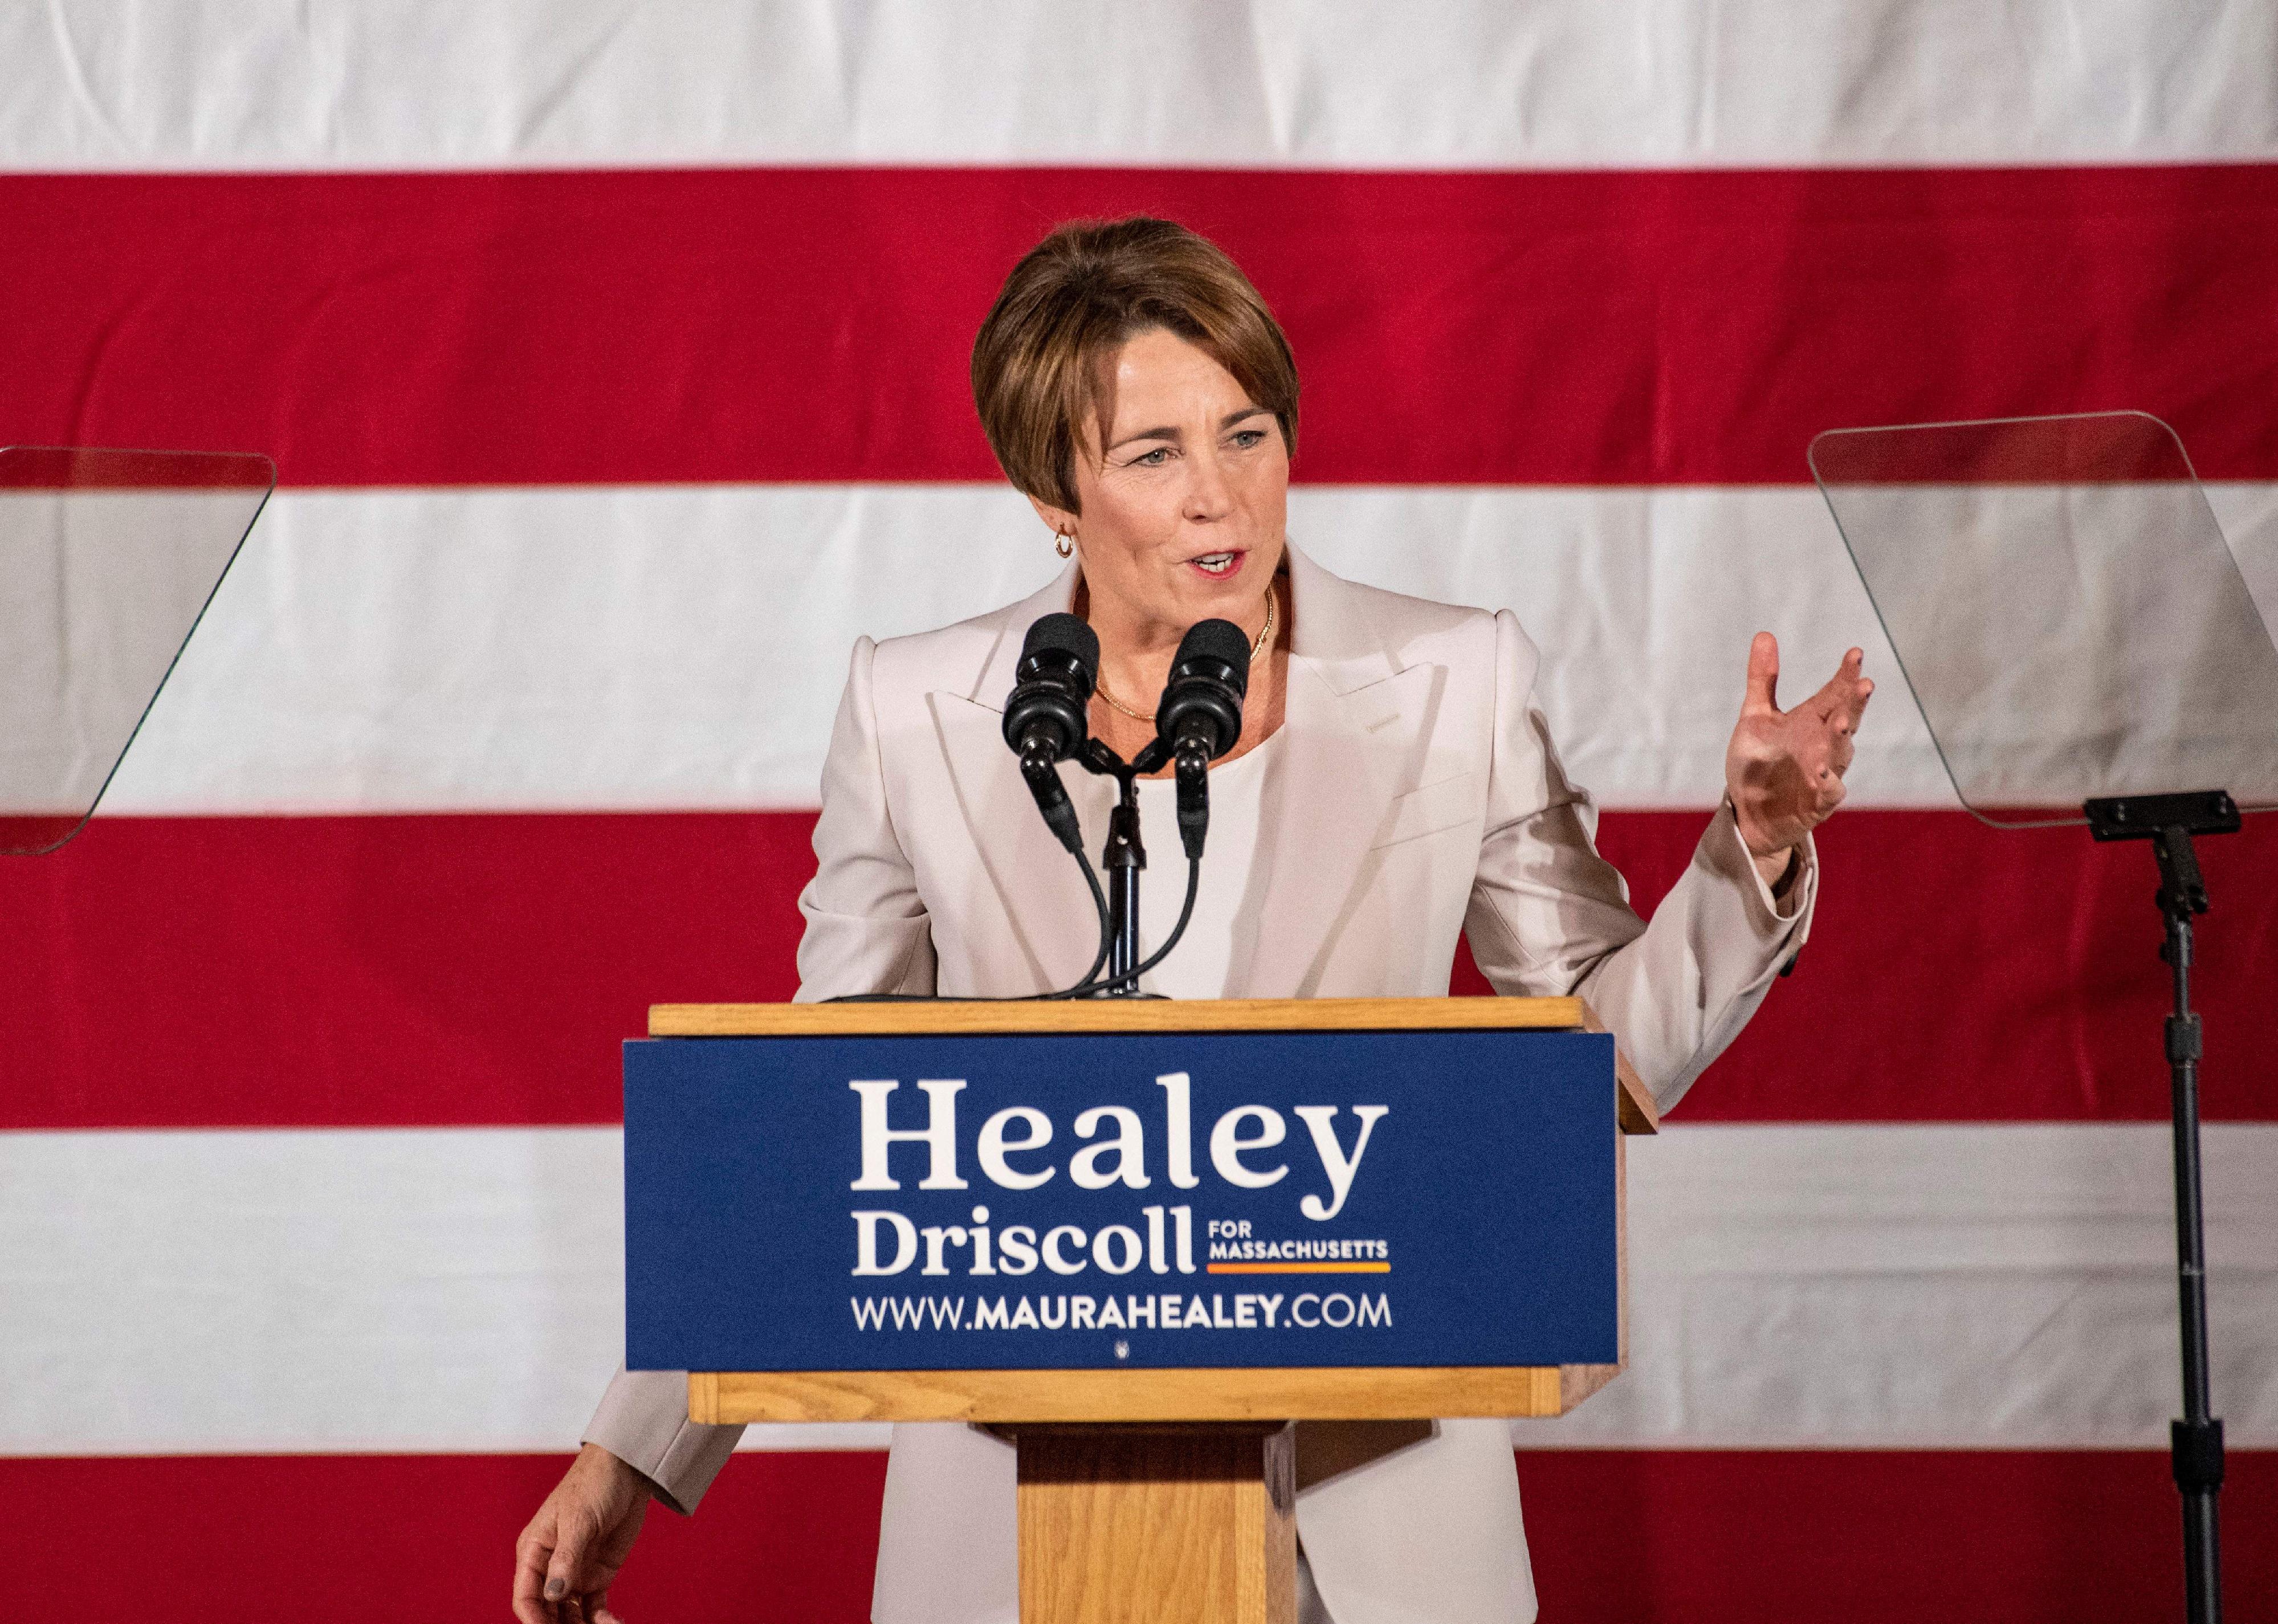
1042	359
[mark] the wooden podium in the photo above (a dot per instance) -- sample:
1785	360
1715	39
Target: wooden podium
1157	1474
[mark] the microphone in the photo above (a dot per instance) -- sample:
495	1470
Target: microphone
1046	717
1200	717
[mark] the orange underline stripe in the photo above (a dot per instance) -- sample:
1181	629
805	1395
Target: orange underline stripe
1300	1268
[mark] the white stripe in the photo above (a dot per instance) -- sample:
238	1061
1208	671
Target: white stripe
340	84
459	1290
418	1290
644	647
2000	1286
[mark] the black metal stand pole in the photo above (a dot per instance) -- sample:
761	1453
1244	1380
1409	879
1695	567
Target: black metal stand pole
1123	860
2195	1442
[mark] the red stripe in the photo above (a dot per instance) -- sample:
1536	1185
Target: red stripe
351	971
1960	973
482	969
1906	1537
29	834
392	1538
2066	1538
814	324
2107	448
65	467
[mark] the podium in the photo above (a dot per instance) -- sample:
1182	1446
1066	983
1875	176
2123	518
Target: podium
1186	1256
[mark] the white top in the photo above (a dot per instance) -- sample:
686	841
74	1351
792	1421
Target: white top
1225	904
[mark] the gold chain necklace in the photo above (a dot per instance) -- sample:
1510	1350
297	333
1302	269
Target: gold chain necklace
1264	635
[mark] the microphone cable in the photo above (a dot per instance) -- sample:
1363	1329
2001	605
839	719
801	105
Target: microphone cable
1092	983
1106	931
1086	984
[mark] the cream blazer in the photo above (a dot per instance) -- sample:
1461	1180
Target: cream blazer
1417	798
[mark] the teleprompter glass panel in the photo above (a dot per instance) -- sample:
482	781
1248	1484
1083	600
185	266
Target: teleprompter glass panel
107	559
2064	606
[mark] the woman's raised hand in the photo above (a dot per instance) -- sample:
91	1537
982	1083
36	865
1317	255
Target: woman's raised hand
566	1559
1784	769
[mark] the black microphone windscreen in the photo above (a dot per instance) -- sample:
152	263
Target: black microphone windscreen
1220	640
1064	634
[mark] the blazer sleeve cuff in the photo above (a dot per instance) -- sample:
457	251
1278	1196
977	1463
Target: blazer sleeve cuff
643	1420
1774	917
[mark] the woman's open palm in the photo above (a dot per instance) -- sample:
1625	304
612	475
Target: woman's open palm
1784	769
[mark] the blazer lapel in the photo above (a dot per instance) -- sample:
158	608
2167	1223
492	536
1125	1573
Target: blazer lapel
1350	743
1343	763
1042	929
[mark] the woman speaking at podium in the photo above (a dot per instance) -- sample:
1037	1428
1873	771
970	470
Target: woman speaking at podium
1393	788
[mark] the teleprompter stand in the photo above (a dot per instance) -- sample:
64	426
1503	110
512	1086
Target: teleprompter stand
2169	821
2076	633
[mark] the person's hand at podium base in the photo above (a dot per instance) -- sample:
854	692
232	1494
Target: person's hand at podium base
566	1559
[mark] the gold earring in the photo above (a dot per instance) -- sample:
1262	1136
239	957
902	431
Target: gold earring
1065	545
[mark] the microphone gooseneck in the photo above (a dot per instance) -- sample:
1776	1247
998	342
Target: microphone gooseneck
1199	718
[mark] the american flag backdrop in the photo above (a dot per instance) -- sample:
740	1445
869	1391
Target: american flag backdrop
614	360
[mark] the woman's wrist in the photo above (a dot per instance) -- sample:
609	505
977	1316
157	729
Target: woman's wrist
1779	867
599	1461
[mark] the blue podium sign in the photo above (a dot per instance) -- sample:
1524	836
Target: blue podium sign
1212	1200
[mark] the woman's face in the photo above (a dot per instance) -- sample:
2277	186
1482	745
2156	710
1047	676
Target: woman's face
1184	507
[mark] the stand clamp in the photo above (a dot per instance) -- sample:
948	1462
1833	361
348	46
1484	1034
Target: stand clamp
2197	1448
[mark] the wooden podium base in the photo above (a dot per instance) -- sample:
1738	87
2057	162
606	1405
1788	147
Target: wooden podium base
1158	1523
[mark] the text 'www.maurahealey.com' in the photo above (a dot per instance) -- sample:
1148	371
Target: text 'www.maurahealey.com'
1154	1311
